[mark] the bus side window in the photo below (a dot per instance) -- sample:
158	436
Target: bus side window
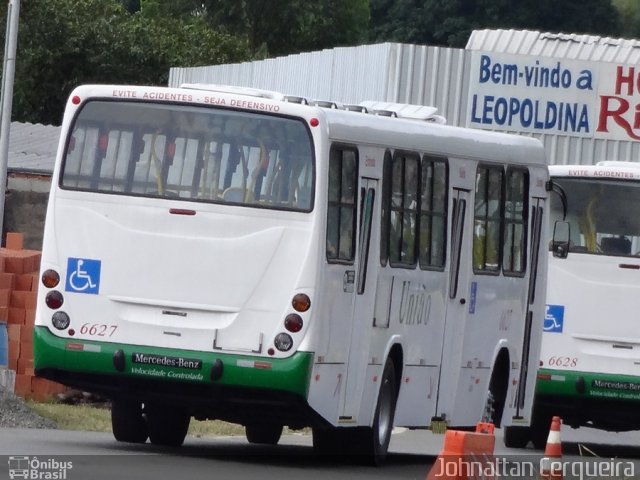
433	213
487	219
341	208
405	176
386	205
515	221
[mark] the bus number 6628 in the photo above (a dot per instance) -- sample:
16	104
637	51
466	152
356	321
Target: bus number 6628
562	361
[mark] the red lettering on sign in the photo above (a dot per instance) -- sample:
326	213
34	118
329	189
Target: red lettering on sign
616	109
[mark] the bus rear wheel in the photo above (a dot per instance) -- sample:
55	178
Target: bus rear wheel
167	425
375	439
127	422
264	433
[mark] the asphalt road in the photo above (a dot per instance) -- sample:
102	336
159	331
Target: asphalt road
87	455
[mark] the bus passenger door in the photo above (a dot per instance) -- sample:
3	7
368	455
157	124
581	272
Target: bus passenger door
365	290
529	360
458	303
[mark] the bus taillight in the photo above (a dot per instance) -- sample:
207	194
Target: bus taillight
50	278
301	302
283	342
60	320
54	299
293	322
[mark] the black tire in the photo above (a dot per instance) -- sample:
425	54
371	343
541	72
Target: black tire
497	395
127	422
167	425
516	436
540	426
325	440
375	439
264	433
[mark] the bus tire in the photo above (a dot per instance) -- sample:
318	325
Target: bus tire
167	425
324	440
540	426
516	436
375	439
127	422
497	394
264	433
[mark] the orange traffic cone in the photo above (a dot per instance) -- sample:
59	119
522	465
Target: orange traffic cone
551	464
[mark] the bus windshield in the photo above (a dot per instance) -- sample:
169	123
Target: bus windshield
603	215
190	153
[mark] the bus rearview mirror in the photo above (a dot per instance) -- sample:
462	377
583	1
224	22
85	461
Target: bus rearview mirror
561	236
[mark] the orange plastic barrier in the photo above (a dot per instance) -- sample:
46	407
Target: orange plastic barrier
465	455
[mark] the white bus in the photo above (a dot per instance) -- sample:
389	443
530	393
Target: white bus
590	366
231	254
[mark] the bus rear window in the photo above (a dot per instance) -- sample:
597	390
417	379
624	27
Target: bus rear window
191	153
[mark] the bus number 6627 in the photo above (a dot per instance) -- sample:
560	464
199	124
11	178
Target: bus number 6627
98	329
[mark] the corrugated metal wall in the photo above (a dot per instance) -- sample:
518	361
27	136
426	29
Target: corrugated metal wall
388	72
434	76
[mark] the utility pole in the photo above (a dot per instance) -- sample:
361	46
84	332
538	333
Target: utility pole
6	98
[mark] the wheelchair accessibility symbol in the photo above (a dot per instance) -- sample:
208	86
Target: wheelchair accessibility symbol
83	275
554	318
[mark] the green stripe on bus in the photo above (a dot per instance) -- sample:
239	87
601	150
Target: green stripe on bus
587	384
288	374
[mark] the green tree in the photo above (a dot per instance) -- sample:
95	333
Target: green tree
630	17
450	22
280	27
64	43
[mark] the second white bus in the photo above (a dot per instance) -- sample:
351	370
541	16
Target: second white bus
590	361
212	252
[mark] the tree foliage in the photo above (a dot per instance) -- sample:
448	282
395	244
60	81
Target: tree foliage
63	43
630	17
450	22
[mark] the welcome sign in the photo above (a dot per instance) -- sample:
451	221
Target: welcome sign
545	95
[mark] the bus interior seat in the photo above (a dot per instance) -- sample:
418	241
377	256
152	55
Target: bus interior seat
234	195
616	245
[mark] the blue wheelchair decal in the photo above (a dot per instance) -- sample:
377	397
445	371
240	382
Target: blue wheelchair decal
83	275
554	318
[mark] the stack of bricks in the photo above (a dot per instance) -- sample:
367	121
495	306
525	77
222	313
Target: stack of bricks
18	293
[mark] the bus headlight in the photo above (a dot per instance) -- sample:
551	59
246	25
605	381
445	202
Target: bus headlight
283	342
54	299
60	320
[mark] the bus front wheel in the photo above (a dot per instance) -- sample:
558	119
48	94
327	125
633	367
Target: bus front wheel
127	422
